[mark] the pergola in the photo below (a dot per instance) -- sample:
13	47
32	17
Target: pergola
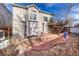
56	28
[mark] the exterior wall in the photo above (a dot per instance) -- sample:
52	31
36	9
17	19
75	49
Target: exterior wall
34	11
18	16
41	20
18	27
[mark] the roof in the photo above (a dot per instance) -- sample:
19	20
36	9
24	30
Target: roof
6	8
47	13
5	20
20	6
33	5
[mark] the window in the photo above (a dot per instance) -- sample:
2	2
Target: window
33	16
33	11
45	19
51	19
1	34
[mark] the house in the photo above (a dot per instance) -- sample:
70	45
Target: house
76	26
5	19
30	20
75	29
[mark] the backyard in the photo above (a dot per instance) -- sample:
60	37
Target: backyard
31	30
51	45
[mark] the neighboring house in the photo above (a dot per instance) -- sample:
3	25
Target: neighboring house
76	26
30	20
75	29
5	19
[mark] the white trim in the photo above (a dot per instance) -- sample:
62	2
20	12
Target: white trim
33	5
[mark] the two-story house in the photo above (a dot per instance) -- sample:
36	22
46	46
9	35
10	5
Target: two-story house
30	20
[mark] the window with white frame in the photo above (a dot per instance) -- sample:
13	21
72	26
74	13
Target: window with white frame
33	16
45	18
51	19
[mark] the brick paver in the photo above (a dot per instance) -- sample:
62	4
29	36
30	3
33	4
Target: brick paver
49	44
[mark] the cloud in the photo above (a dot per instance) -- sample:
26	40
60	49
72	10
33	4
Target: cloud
76	22
50	4
75	12
74	16
75	9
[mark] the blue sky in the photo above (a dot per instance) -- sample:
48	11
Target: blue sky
59	9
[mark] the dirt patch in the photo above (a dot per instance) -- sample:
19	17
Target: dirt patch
70	48
50	45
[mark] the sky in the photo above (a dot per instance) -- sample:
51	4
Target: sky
59	9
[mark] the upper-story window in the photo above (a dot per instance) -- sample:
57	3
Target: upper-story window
45	18
51	19
34	11
33	16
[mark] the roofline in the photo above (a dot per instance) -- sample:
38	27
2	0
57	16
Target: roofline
20	6
32	6
46	12
6	8
39	9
